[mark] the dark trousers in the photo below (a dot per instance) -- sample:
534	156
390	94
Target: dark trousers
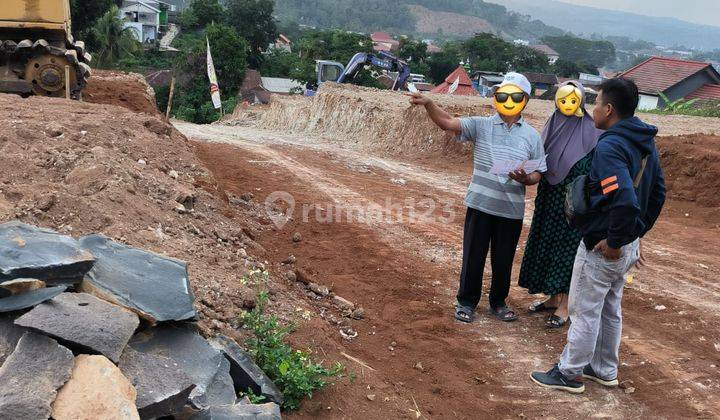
485	232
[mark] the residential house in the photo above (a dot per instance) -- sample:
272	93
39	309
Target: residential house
283	43
675	79
551	54
145	18
433	49
384	42
484	81
282	86
541	82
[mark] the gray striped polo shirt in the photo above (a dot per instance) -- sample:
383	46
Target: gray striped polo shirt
497	194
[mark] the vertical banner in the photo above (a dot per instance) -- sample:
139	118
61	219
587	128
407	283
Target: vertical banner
214	88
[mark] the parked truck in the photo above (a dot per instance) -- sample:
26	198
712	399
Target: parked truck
38	55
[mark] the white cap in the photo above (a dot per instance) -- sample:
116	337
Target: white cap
517	79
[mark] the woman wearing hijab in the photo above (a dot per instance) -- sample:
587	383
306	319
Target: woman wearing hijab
570	137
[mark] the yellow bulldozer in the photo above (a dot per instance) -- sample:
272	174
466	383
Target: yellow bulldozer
38	55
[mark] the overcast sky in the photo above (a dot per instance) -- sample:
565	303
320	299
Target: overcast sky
697	11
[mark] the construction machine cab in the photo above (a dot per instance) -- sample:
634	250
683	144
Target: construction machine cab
328	71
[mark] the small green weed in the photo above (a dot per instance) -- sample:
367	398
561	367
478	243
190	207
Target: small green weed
293	371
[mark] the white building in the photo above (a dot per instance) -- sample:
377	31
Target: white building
143	16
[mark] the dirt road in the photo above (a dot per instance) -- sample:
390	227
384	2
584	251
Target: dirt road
386	235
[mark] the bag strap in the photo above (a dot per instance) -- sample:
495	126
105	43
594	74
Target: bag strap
639	176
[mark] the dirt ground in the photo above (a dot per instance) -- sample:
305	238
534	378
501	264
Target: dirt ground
391	246
401	264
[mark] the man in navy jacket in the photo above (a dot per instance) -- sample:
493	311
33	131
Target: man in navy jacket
627	193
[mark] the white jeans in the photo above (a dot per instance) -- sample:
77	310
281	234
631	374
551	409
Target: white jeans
596	291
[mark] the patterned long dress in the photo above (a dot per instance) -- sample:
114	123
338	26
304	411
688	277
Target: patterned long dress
551	246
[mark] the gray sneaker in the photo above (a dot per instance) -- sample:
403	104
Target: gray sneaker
556	380
589	373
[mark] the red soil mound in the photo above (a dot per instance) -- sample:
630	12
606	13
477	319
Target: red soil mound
128	90
692	168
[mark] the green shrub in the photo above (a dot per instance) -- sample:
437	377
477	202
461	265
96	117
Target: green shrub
692	107
293	371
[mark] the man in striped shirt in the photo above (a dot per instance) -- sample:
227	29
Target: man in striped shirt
496	203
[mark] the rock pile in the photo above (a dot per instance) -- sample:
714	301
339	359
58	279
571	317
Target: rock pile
91	328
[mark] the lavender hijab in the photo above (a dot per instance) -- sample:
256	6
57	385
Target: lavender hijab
567	140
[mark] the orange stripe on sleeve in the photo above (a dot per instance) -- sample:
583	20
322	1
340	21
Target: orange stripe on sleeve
606	181
611	188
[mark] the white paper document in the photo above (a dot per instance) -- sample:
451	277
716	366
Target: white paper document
504	167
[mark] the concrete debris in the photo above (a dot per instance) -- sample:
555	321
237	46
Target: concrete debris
154	286
206	367
244	372
31	376
269	411
319	289
96	390
32	252
18	286
29	299
84	321
358	313
9	336
162	386
343	303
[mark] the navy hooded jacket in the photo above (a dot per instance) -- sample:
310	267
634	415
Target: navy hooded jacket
625	213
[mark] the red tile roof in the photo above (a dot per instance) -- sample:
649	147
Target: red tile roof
465	86
381	37
706	92
657	74
432	49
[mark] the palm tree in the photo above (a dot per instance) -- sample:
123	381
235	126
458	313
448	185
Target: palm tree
113	39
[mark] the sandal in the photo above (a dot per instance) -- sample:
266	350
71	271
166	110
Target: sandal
540	306
503	313
464	314
555	321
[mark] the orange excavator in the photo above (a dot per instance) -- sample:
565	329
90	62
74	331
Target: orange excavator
38	55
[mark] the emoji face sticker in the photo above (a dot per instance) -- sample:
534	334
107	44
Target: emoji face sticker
510	100
568	100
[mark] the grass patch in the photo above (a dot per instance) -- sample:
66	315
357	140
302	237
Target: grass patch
293	371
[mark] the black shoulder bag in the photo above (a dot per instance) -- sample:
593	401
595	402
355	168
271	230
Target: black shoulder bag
577	199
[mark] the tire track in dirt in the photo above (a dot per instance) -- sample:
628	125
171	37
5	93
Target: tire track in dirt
326	171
